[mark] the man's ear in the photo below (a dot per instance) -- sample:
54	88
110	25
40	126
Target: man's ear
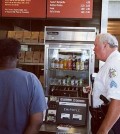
105	44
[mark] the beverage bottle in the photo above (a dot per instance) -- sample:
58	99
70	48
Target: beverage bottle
64	81
60	63
78	64
74	63
82	65
52	90
65	64
73	81
51	81
68	80
53	63
86	64
80	82
76	82
60	81
69	64
57	64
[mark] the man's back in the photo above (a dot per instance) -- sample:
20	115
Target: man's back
20	96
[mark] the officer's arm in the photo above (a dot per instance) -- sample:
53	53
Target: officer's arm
111	117
34	124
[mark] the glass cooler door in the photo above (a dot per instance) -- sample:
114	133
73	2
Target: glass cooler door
67	70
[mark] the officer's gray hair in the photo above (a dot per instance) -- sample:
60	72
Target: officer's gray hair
108	38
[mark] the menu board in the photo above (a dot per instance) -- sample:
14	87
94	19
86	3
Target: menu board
0	7
24	8
69	8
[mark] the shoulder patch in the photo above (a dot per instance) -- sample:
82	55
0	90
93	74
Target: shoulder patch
112	73
113	84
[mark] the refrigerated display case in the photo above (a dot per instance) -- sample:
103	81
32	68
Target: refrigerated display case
69	60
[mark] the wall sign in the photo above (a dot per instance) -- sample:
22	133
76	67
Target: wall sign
69	8
24	8
0	8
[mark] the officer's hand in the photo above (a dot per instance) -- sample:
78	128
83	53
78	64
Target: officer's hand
86	89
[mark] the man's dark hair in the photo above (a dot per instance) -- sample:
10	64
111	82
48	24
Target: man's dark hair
9	47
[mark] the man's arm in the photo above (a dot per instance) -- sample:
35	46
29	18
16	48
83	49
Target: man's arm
111	117
35	121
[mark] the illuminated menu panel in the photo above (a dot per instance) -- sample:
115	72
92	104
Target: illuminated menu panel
69	8
24	8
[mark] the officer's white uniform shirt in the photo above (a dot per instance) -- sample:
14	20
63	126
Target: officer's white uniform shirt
107	81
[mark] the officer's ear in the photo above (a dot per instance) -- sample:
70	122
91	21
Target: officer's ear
105	45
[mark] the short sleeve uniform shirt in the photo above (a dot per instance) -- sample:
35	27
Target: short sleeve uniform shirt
107	81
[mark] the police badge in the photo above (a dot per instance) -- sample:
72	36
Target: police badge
112	73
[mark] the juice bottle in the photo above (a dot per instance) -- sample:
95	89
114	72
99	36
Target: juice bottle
69	64
65	64
78	64
82	65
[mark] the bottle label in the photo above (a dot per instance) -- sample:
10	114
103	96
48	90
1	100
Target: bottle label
61	66
52	65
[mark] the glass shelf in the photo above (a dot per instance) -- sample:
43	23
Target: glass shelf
68	70
67	86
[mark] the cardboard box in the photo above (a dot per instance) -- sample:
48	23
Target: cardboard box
11	34
19	36
36	56
41	37
22	56
29	56
41	57
34	37
3	34
26	36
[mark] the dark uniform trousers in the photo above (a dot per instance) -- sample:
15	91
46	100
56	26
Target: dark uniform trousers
98	115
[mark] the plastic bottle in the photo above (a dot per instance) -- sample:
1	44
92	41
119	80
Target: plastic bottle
82	65
61	62
53	63
74	63
73	81
69	64
78	64
57	64
65	64
86	64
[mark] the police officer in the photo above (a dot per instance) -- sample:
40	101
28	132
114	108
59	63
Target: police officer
107	82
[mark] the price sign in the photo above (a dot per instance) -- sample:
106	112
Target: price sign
69	8
24	8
